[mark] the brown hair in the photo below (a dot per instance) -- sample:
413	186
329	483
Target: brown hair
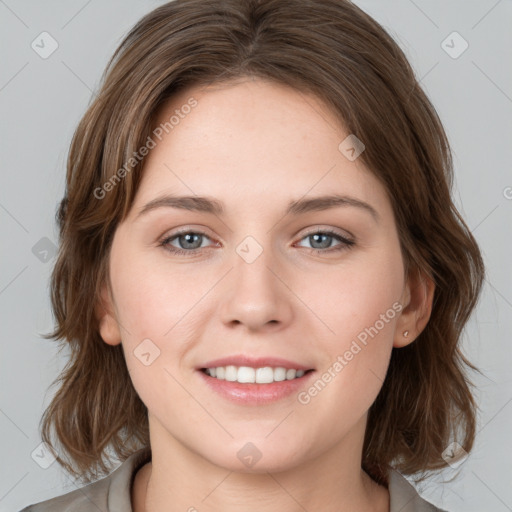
326	47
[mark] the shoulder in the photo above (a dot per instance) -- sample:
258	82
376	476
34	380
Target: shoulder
404	497
88	498
110	494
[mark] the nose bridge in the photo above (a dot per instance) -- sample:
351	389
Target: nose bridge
252	268
256	295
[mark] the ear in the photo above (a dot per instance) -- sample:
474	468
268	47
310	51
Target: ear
416	300
107	322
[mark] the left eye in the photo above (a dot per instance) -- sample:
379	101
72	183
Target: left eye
191	241
328	236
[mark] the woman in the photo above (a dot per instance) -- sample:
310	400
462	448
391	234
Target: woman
262	276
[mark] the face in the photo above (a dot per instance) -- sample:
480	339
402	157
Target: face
322	288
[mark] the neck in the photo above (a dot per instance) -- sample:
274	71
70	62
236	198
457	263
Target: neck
178	479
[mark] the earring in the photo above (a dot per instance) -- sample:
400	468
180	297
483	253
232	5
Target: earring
405	334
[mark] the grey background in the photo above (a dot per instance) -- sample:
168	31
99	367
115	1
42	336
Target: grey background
41	102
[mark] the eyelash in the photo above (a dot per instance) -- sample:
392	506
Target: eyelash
345	245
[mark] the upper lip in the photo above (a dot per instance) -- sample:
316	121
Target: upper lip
254	362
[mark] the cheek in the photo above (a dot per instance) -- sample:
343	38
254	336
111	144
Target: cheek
159	306
154	298
150	304
356	295
152	308
360	309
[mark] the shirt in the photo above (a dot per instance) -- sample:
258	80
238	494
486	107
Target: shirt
113	492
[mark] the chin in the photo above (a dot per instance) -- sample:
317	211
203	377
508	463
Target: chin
257	457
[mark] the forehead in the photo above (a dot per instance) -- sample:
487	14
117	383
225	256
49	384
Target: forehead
251	139
257	106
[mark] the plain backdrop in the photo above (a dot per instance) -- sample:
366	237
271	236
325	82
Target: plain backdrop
42	100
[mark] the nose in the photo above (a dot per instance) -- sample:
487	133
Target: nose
256	293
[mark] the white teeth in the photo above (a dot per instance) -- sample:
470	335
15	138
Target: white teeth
278	374
231	373
246	374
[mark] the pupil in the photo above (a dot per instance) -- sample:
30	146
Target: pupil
187	238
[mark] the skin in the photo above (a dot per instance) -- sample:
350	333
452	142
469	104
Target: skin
255	146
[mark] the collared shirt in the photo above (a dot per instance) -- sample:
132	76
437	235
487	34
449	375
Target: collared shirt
113	492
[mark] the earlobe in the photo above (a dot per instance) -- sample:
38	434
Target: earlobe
107	322
417	303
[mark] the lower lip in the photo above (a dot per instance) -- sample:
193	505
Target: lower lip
255	394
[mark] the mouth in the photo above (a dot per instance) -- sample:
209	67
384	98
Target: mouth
254	380
255	375
255	386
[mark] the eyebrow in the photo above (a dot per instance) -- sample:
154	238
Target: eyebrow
297	207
